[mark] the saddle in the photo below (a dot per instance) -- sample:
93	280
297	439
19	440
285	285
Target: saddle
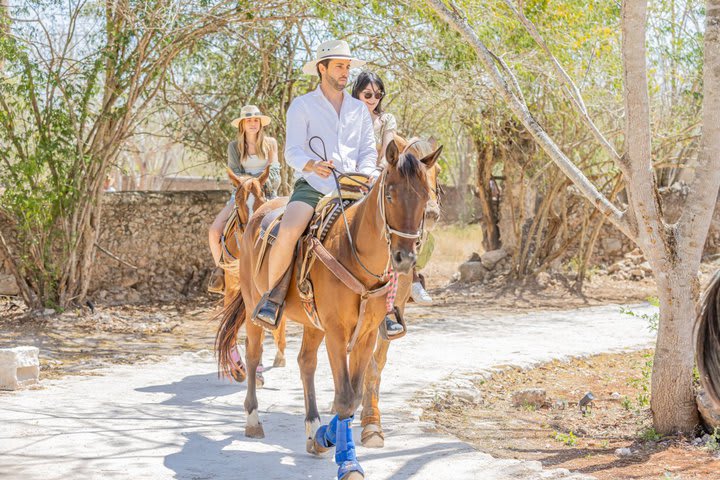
327	212
232	231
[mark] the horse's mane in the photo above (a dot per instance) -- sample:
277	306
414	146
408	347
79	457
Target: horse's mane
409	166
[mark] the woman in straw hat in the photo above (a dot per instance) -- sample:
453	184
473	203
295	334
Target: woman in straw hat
249	154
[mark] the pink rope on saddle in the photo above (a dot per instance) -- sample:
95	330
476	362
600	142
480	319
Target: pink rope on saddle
392	291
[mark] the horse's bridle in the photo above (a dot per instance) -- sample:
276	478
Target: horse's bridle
387	229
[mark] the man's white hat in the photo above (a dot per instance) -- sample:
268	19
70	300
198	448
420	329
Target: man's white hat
251	111
338	49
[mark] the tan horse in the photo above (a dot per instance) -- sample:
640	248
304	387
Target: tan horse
372	434
384	228
249	196
707	349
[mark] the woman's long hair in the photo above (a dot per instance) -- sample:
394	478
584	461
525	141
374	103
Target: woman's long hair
363	80
263	152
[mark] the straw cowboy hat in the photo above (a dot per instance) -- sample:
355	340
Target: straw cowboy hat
251	111
337	49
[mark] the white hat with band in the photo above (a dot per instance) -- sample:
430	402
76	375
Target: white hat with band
251	111
334	49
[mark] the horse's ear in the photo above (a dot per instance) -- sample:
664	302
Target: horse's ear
233	178
392	153
400	142
433	142
430	160
264	176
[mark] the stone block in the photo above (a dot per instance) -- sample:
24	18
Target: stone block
489	259
19	367
8	286
535	397
472	272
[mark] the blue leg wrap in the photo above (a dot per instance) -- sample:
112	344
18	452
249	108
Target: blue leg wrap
325	435
345	449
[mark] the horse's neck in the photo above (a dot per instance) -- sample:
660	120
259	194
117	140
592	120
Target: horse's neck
365	226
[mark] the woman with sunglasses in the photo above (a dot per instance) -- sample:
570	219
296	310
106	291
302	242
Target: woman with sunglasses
369	88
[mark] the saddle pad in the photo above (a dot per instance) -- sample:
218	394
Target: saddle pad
270	225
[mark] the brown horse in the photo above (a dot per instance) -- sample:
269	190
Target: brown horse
381	231
249	196
372	434
707	349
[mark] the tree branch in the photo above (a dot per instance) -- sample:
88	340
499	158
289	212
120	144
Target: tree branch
459	22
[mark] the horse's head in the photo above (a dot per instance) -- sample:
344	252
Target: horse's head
404	197
249	193
422	148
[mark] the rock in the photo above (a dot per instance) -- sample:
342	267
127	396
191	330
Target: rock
559	404
19	367
530	396
8	286
489	259
623	452
48	311
611	245
615	396
646	267
543	279
615	267
472	272
709	414
475	257
637	274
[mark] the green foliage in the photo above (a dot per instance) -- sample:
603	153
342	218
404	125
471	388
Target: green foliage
713	443
568	439
642	383
649	435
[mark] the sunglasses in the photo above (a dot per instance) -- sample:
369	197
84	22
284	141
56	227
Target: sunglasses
369	95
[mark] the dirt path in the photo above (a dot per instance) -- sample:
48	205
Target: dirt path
175	419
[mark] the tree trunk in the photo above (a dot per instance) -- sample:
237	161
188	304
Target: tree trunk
673	397
489	205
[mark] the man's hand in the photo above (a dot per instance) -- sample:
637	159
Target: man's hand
320	168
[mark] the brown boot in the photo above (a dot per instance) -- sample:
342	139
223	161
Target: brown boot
217	281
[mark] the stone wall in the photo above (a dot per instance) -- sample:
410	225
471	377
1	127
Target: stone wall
164	235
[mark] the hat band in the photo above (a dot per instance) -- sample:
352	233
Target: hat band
335	55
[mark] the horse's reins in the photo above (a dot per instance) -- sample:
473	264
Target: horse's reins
338	269
387	229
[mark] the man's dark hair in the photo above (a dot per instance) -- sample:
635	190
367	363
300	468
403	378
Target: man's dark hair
324	63
363	80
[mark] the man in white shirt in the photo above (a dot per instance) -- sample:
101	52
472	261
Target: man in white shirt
345	127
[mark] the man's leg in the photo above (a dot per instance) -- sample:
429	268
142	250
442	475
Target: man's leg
294	222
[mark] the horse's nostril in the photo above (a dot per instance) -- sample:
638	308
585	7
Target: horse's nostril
398	257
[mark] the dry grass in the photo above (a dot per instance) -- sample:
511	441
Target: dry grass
453	245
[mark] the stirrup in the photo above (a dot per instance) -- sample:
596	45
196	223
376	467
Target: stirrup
266	304
399	318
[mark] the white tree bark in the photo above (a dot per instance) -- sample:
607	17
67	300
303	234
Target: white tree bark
674	251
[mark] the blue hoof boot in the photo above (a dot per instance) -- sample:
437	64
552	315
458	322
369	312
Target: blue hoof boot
322	437
349	466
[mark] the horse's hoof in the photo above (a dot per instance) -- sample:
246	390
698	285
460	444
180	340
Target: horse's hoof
372	440
279	361
350	470
353	476
259	380
238	375
314	448
254	431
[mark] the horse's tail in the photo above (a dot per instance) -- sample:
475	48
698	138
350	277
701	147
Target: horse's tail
233	316
707	348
